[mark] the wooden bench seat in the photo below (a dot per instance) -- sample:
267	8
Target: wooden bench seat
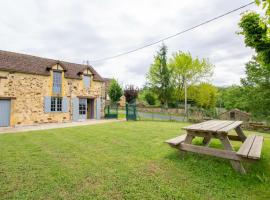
174	142
252	147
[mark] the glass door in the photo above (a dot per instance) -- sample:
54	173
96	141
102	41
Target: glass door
82	108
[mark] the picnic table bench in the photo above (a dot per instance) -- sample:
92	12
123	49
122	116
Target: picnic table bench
250	150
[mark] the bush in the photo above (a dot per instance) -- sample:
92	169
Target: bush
150	98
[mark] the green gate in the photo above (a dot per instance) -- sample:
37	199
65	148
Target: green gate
111	112
131	112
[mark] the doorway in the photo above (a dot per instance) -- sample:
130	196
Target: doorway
82	108
4	113
90	108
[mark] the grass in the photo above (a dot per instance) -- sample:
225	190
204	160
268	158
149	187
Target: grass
125	160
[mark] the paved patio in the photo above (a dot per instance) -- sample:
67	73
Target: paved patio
55	125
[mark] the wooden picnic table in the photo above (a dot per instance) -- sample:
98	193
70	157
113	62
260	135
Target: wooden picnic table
219	129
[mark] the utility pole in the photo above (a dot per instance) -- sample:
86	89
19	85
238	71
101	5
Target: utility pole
186	111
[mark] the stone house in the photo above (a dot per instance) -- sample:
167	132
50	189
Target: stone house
39	90
235	114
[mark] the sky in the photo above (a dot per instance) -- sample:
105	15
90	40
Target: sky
80	30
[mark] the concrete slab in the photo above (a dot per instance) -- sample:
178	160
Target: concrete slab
55	125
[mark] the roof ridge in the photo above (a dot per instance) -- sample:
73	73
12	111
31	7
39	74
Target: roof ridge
40	57
21	62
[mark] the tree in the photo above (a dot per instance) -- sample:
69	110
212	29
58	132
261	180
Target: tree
204	95
256	85
266	5
115	91
186	69
159	76
256	33
131	94
150	98
235	97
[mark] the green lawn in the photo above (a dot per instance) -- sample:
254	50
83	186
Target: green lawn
124	160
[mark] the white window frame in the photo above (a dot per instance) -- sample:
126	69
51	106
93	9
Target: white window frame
57	83
56	104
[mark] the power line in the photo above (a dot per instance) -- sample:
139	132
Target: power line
174	35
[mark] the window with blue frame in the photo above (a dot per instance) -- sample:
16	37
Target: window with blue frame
57	82
86	81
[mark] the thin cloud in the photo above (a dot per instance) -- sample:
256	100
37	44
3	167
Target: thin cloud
86	30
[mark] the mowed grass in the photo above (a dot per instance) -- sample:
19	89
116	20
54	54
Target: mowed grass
123	160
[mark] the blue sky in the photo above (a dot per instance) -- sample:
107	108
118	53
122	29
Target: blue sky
79	30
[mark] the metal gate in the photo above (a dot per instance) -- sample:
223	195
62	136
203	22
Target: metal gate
4	113
131	112
111	111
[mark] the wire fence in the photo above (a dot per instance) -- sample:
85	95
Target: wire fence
194	114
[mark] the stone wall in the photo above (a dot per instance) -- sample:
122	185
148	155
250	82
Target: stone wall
30	90
162	110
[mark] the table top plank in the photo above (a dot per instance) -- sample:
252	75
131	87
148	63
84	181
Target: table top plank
201	125
214	126
211	125
231	126
198	124
220	125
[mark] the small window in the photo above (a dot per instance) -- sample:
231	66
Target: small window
56	104
57	82
86	81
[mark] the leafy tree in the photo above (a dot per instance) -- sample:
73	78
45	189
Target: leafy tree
256	85
159	77
204	95
131	94
235	97
115	91
184	68
256	33
266	6
150	98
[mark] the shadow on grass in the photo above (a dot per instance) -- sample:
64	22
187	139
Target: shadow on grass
213	168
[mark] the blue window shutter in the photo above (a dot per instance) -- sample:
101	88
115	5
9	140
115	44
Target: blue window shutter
98	108
47	104
75	109
65	104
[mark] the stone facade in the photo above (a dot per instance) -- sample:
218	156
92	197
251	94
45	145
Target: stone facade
27	92
235	114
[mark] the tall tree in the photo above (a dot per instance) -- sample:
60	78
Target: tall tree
256	31
186	69
115	91
159	76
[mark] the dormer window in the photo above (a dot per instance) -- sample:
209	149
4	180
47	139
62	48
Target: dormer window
57	82
86	81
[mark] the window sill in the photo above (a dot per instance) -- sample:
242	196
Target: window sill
56	112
